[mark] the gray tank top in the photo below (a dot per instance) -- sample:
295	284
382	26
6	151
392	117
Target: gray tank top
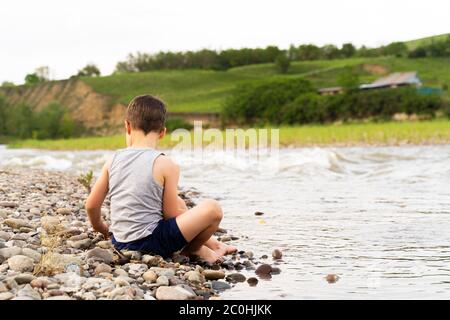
136	198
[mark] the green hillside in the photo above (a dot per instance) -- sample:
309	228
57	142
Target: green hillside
205	90
426	41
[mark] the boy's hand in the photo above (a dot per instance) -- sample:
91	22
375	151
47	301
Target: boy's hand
103	228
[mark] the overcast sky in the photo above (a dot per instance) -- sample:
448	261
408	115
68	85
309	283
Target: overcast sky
66	35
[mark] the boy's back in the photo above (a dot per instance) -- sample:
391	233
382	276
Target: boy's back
136	198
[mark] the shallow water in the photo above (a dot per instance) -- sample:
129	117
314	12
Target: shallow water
376	216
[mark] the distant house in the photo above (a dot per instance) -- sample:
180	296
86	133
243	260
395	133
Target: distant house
394	80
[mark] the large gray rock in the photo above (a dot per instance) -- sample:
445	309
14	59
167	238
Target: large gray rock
99	254
28	293
21	263
17	223
7	253
33	254
173	293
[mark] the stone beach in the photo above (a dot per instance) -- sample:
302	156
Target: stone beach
48	250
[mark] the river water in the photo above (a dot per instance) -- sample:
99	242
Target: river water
376	216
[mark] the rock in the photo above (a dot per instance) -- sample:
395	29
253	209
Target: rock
248	254
173	293
64	211
35	211
102	268
194	276
21	263
277	254
17	223
162	281
6	296
105	244
80	244
28	293
120	273
332	278
7	253
225	238
30	253
132	255
88	296
235	277
3	288
259	213
163	271
150	276
121	281
99	254
4	213
175	281
214	274
220	285
275	270
252	281
152	261
50	224
24	278
5	235
263	269
79	237
8	204
137	269
39	283
181	259
148	297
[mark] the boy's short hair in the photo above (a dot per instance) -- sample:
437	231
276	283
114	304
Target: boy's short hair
146	113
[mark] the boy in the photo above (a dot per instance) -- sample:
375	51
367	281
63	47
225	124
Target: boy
146	213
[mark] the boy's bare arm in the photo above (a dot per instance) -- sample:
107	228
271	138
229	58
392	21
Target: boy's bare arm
95	200
170	173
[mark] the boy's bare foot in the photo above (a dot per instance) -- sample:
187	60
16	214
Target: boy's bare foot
207	254
220	248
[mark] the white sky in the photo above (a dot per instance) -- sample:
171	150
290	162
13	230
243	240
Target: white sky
66	35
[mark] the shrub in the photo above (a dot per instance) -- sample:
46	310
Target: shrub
177	123
262	101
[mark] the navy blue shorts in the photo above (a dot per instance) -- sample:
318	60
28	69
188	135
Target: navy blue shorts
164	241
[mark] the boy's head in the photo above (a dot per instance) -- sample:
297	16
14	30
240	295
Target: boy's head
147	114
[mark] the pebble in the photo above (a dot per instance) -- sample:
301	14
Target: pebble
152	261
3	213
33	254
235	277
80	244
252	281
21	263
173	293
17	223
40	282
214	274
194	276
120	273
104	244
150	276
277	254
100	254
8	204
28	293
332	278
137	270
5	235
162	281
6	296
102	268
220	285
24	278
263	269
35	211
259	213
7	253
64	211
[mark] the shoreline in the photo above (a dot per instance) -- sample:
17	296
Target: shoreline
48	250
435	132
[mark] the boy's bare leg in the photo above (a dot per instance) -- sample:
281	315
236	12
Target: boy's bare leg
197	226
219	247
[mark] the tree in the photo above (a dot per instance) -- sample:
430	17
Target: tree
283	63
348	50
90	70
32	79
7	84
398	49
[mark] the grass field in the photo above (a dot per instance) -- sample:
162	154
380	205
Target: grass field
425	41
205	90
389	133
